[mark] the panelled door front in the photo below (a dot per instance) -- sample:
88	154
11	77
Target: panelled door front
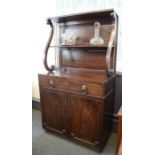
54	110
85	119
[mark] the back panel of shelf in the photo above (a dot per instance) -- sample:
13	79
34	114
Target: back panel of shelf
78	58
84	30
87	58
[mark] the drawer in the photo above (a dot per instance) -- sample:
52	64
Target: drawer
53	82
71	85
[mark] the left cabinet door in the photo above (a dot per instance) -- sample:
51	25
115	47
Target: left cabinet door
54	114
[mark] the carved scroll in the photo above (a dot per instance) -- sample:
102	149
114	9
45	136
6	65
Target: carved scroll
49	22
110	71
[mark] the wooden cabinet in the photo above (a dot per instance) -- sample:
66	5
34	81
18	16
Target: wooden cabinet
77	95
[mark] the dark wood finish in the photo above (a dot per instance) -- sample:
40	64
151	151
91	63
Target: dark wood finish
82	46
120	150
119	145
77	99
106	59
83	59
118	93
54	110
49	22
95	76
85	119
72	85
83	16
111	53
82	28
115	43
99	108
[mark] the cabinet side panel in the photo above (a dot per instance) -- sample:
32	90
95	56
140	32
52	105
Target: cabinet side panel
108	115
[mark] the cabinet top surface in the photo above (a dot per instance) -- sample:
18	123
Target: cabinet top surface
87	75
84	15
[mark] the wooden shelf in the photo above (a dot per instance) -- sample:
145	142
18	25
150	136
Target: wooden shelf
82	16
80	46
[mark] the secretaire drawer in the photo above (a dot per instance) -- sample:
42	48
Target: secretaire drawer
71	85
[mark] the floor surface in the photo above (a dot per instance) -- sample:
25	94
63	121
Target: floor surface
44	143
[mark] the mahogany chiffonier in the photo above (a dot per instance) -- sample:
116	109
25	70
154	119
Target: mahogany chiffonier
77	94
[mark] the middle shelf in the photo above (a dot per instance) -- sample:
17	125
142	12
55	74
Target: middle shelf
80	46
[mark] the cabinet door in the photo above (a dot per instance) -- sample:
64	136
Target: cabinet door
54	108
85	115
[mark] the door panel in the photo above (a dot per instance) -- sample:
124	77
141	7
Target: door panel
85	119
53	110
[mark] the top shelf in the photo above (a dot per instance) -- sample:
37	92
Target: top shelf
82	16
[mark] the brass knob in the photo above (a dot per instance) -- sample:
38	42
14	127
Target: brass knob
51	83
84	89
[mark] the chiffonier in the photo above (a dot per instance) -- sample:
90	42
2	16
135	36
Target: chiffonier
77	92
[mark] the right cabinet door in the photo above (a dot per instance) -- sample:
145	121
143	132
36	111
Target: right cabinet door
85	114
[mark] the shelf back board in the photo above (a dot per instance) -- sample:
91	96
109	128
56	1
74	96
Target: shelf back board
83	58
85	31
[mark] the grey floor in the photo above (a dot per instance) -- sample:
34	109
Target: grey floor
44	143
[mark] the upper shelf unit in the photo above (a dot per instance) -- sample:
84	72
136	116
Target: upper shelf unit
82	37
83	16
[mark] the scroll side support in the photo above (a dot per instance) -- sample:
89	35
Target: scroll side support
49	22
115	44
110	71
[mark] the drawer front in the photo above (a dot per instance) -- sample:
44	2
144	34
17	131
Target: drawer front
52	82
71	85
